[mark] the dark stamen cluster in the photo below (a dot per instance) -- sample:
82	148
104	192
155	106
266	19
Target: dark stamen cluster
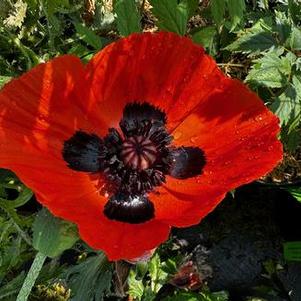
133	162
139	162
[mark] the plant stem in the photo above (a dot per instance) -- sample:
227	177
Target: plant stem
31	277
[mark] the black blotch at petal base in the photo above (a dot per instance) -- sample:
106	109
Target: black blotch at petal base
84	152
187	162
129	209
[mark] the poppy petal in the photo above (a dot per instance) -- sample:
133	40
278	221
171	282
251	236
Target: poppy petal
118	240
238	135
163	69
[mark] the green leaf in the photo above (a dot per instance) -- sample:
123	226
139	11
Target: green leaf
11	288
51	235
171	15
271	70
290	137
4	80
295	10
236	10
128	17
254	39
218	11
88	36
288	105
203	296
157	274
295	39
207	37
292	251
136	287
284	104
90	279
295	192
283	26
192	6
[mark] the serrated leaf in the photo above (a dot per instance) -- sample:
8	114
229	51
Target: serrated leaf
87	35
287	106
292	251
207	37
283	27
295	39
51	235
271	70
236	10
90	279
218	8
157	274
128	17
254	39
284	104
136	287
171	15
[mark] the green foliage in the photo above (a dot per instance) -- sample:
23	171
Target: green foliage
16	15
288	104
136	286
295	10
236	11
11	289
272	70
295	39
128	17
204	296
88	36
218	9
51	235
272	44
4	80
207	37
90	279
295	192
292	251
254	39
173	16
145	287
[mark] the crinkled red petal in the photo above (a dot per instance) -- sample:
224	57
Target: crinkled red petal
163	69
39	111
239	137
44	107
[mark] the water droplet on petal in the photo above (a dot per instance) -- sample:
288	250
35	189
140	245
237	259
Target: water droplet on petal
177	135
193	140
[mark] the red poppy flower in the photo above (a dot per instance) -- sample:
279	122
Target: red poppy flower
148	135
